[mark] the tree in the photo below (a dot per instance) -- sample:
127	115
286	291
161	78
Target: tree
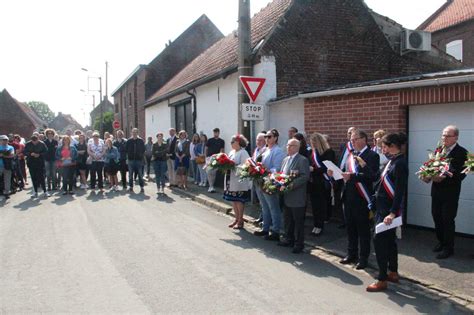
107	122
42	110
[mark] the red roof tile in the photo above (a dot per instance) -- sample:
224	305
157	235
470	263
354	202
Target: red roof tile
223	54
451	13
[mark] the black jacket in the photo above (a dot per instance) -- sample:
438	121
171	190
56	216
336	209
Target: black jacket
39	148
398	175
135	149
121	147
172	147
366	175
52	146
452	185
317	175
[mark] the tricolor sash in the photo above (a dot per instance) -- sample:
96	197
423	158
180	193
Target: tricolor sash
319	164
386	182
363	191
347	150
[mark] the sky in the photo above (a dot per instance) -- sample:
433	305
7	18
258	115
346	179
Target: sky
46	43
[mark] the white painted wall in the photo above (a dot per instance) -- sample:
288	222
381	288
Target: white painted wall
426	123
157	118
216	104
284	115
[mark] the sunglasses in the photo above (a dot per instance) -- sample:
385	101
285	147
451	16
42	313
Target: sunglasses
268	137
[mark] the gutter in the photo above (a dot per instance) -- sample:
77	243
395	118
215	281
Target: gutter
192	85
391	86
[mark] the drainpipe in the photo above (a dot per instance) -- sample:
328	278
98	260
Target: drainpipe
194	103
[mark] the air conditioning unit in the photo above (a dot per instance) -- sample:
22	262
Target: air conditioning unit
415	41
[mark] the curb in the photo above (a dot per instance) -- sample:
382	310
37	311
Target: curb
421	286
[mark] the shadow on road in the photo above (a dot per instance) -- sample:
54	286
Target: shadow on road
27	204
165	198
311	264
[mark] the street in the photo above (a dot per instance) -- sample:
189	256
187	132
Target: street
124	253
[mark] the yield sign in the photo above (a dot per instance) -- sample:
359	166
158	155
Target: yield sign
252	86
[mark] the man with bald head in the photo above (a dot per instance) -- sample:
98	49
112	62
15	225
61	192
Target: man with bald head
294	200
445	192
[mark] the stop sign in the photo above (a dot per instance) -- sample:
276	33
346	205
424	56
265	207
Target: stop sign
116	124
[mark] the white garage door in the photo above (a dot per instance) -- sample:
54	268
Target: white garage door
425	126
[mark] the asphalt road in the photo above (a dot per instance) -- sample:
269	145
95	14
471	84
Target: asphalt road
122	253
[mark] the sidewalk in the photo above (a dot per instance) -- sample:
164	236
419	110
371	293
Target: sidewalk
452	277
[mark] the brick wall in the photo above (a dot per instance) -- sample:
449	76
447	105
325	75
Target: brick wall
376	110
465	32
327	43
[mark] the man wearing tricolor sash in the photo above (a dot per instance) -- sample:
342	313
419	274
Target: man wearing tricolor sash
361	171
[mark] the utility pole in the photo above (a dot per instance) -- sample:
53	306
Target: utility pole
245	64
106	80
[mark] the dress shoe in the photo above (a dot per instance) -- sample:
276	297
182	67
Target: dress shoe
272	237
444	254
377	286
361	265
260	233
286	243
393	277
297	250
438	248
348	260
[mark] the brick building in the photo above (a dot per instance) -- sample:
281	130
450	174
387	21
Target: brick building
17	117
452	28
63	122
298	45
130	96
420	106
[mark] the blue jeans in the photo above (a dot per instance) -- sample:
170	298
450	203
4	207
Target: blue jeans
195	169
270	210
135	167
160	168
50	168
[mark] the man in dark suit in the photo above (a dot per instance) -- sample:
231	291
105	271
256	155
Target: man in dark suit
171	141
295	199
445	192
361	171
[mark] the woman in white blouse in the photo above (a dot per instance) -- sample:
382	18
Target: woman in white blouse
235	190
96	150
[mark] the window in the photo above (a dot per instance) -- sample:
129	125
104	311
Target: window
183	114
117	108
454	49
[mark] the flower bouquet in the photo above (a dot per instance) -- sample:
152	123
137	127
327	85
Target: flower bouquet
221	162
437	165
469	165
277	183
252	170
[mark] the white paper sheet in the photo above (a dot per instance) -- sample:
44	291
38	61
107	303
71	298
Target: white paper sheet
337	173
381	227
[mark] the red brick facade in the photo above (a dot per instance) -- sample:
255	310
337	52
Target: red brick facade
375	110
464	32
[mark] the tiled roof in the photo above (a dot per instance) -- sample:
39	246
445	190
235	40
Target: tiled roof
223	54
451	13
32	116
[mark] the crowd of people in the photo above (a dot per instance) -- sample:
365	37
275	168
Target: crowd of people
372	189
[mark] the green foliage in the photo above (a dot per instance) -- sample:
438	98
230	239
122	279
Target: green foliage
42	110
107	122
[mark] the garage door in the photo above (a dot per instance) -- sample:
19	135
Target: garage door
425	126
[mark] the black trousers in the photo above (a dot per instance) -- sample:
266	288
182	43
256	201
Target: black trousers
68	173
320	199
37	177
96	173
123	172
356	217
444	208
294	225
385	245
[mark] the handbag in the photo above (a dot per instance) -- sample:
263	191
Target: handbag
89	160
200	159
